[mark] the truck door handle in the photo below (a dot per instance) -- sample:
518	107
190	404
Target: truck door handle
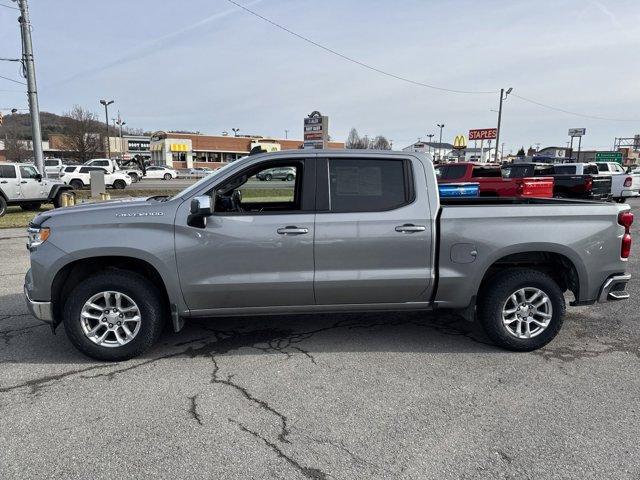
410	228
4	181
292	230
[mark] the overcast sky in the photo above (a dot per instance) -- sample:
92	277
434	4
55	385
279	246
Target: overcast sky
207	65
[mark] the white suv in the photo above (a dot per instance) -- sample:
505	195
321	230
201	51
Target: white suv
161	172
80	176
21	184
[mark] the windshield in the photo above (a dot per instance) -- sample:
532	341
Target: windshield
203	180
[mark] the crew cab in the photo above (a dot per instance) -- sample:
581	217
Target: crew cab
623	185
570	180
356	231
80	176
22	185
112	166
491	181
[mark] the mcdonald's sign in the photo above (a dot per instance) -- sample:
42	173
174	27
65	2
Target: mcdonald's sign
460	142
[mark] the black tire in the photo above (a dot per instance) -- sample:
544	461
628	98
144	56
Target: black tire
131	284
134	177
3	206
30	207
289	177
500	288
76	184
268	177
57	201
167	176
119	184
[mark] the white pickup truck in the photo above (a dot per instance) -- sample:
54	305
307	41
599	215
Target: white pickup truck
111	166
623	185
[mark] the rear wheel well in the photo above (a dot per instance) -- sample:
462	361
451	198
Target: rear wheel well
559	267
72	274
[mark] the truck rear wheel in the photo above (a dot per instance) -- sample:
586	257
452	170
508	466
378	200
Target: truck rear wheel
115	315
522	309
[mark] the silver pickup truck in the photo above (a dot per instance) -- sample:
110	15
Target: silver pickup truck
355	230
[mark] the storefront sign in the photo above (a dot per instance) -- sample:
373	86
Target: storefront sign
316	131
483	134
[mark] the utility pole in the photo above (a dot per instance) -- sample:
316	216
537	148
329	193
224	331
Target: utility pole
440	126
106	104
502	97
286	134
32	91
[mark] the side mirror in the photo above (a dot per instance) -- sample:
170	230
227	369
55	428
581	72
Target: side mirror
201	206
38	177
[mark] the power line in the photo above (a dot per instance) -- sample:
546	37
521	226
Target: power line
12	80
569	112
413	82
10	60
353	60
9	6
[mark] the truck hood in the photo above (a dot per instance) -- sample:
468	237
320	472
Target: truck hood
127	206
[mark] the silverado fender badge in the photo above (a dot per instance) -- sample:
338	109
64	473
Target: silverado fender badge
140	214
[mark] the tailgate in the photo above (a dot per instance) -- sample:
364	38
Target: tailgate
537	187
601	185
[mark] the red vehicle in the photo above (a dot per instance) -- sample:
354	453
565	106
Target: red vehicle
492	183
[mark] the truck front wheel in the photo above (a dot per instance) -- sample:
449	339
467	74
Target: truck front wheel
521	309
114	315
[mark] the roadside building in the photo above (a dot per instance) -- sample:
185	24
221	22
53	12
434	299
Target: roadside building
191	150
443	151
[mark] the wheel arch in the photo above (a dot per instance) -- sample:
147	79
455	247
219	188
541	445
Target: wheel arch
561	264
74	272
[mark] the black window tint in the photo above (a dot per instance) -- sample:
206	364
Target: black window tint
603	167
543	171
565	169
590	170
366	185
455	172
8	171
486	172
69	169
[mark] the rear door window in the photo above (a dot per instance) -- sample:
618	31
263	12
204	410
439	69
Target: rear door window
486	172
590	170
368	185
7	171
455	172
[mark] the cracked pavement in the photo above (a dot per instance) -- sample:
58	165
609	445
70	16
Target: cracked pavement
393	395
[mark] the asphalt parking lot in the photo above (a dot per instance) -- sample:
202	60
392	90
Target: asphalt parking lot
329	396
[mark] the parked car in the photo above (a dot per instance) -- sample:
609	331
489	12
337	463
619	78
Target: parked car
212	251
80	176
491	181
112	166
623	185
200	171
570	180
279	173
52	167
161	172
22	185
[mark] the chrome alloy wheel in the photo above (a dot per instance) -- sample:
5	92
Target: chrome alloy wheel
527	312
110	319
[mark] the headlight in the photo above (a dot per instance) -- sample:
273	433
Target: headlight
37	236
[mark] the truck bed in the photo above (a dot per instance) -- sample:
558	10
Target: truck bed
471	201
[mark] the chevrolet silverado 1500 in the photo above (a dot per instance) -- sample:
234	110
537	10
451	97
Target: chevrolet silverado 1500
356	230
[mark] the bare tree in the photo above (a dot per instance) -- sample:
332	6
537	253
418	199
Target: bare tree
15	148
380	143
353	140
81	138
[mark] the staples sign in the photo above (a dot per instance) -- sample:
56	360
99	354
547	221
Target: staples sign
483	134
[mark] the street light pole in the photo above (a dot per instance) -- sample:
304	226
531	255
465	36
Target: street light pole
430	135
502	97
32	91
440	126
235	131
106	104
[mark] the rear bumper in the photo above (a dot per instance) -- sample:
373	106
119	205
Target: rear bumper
630	193
614	288
40	310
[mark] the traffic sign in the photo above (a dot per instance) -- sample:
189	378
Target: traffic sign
609	157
